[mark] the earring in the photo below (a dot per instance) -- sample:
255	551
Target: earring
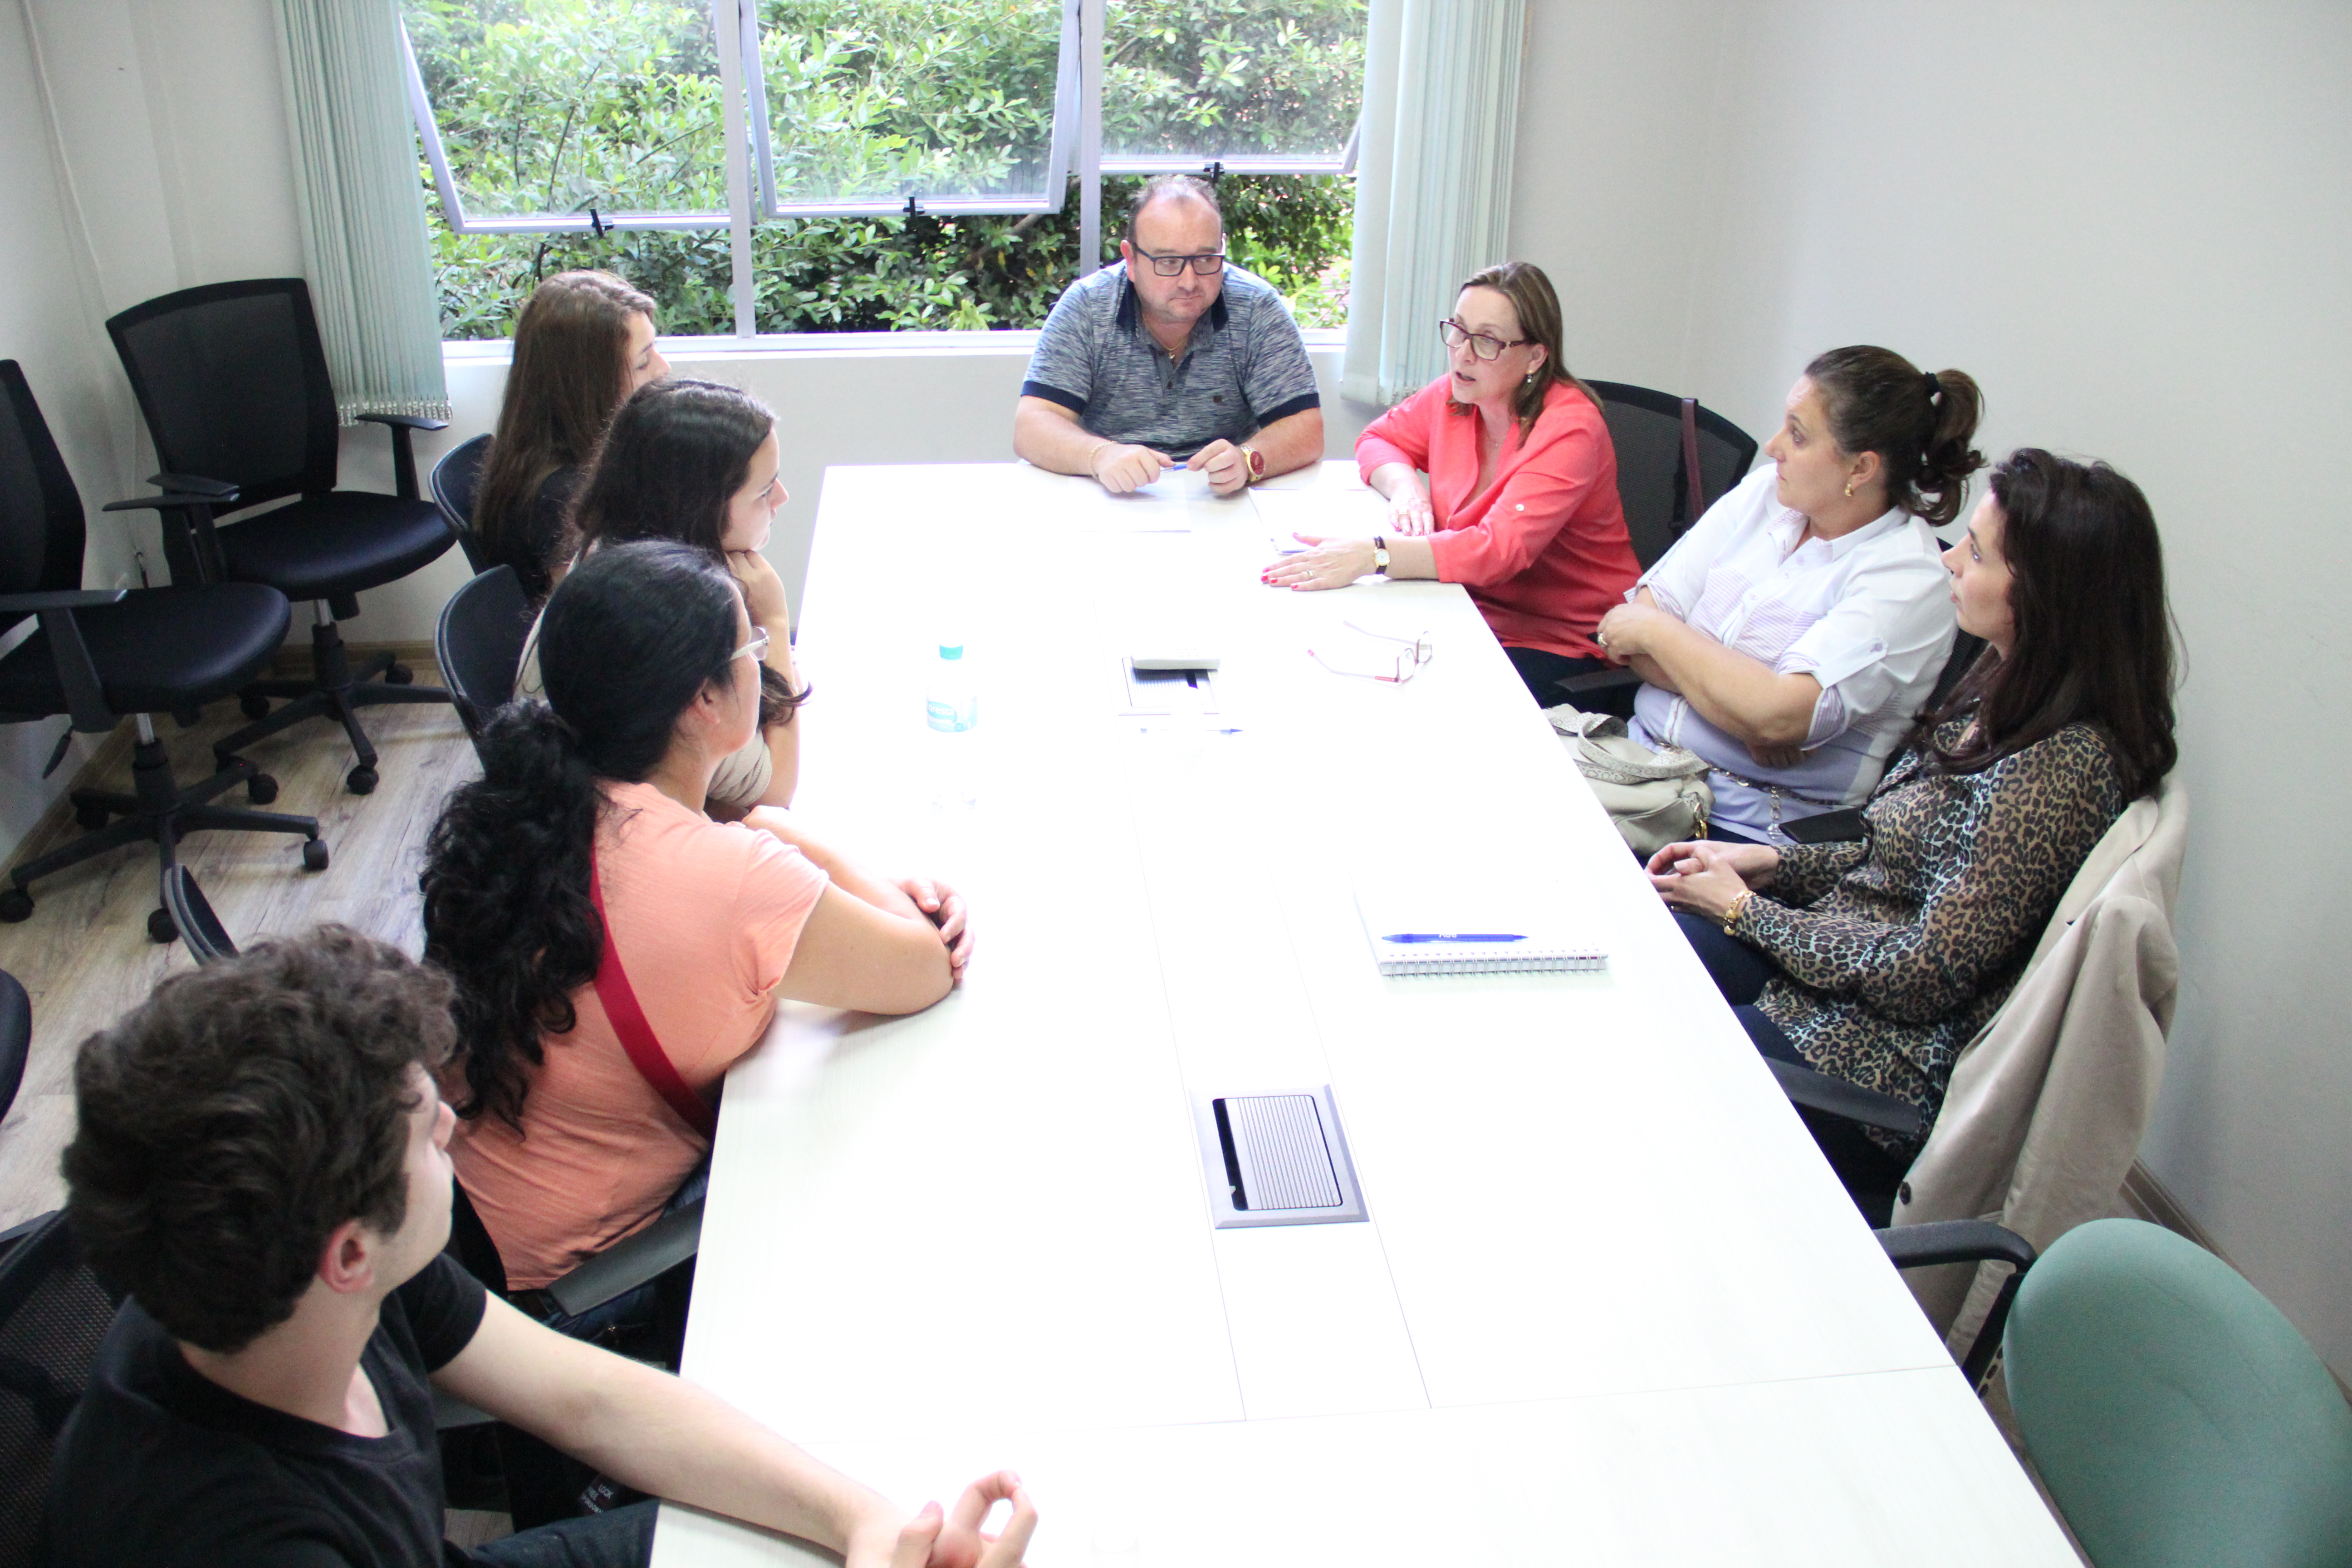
1849	487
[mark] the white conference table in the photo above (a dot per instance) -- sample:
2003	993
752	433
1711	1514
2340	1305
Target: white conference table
1609	1306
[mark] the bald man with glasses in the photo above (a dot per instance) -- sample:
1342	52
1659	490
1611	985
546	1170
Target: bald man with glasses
1177	357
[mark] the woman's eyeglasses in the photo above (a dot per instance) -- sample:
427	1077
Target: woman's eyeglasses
1207	266
756	650
1485	345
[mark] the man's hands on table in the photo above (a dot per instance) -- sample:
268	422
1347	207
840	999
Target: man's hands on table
1121	470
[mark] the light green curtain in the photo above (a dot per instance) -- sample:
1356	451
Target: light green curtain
361	206
1432	180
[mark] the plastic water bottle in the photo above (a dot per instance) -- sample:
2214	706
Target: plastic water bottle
951	706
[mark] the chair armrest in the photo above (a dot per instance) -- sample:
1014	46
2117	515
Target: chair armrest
76	671
195	485
1851	1101
1599	680
1828	828
630	1262
74	599
1965	1241
403	451
171	501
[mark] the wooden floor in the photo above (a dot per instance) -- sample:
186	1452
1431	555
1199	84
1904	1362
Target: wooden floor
84	955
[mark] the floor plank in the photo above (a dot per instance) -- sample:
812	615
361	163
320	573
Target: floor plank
84	957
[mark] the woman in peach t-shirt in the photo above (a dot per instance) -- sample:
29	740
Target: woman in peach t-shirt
565	1146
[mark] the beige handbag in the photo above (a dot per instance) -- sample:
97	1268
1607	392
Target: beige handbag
1656	798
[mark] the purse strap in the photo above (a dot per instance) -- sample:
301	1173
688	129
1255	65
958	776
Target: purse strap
1694	480
628	1019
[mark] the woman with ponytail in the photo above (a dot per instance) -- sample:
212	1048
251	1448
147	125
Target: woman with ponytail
580	872
1876	961
1792	636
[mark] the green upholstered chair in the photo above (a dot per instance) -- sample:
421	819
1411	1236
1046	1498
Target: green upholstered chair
2176	1415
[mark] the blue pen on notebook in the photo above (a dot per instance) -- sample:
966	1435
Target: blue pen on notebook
1454	936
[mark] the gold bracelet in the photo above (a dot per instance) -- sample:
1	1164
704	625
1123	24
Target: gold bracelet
1738	907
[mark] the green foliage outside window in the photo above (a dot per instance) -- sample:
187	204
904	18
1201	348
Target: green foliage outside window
562	105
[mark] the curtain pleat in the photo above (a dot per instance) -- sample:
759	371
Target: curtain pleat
365	252
1432	180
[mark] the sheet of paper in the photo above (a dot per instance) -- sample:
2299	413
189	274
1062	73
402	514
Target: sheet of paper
1163	506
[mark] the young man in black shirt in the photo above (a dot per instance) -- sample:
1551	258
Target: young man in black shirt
261	1162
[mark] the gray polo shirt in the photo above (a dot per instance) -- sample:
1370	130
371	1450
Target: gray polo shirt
1243	367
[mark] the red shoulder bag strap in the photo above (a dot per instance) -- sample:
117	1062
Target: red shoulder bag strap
619	1000
1694	480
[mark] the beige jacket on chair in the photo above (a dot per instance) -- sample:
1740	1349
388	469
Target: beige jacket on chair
2046	1105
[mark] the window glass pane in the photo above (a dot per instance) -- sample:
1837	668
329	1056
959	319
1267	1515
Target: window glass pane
883	100
1193	80
556	106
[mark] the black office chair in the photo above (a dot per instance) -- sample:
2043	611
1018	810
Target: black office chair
52	1312
455	479
1965	1241
102	654
479	644
1652	432
207	940
541	1483
234	386
1657	437
15	1038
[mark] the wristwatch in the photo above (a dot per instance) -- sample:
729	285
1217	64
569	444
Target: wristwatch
1379	554
1257	460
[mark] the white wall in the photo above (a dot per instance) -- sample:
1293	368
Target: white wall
143	149
2130	221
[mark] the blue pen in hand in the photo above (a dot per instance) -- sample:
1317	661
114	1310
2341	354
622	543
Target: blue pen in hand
1454	936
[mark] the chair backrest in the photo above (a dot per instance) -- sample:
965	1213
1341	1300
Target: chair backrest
479	644
207	940
52	1312
455	479
234	386
16	1037
1646	427
41	522
2174	1414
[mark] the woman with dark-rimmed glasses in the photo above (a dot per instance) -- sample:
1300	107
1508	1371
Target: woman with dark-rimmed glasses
1520	502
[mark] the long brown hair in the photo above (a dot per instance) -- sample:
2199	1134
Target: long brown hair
568	376
1918	423
1523	283
2095	638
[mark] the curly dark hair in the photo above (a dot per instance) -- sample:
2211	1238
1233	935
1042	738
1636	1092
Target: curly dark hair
2094	640
231	1121
631	636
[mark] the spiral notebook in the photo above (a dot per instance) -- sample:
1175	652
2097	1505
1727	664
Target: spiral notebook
1415	932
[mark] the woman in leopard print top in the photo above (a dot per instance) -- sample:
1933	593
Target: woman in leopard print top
1877	961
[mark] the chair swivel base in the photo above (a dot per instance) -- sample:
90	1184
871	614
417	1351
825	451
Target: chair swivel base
159	812
335	690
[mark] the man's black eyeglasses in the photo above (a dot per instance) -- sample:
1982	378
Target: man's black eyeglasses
1170	266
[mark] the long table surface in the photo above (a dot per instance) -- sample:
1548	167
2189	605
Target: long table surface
1609	1305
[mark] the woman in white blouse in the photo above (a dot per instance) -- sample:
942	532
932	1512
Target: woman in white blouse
1792	636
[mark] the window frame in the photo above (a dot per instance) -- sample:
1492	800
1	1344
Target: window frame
1075	150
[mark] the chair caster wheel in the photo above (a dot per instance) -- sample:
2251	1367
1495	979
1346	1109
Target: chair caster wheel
89	818
360	780
314	854
160	927
399	675
261	789
253	705
16	904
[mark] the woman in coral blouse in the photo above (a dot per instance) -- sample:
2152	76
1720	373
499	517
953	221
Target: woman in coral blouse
1520	503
